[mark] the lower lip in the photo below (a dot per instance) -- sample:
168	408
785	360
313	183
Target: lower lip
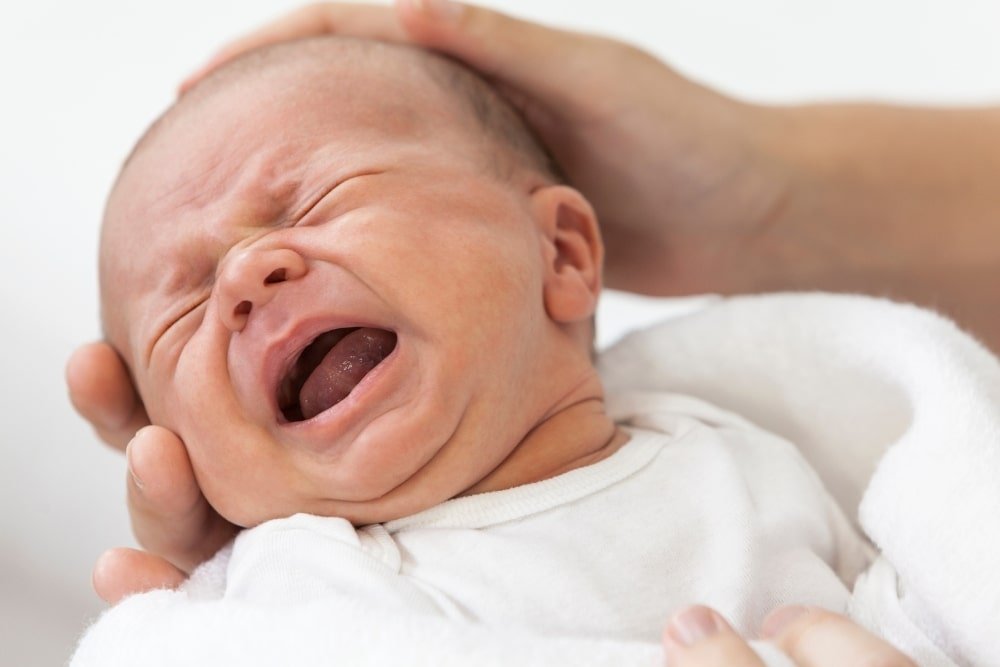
331	424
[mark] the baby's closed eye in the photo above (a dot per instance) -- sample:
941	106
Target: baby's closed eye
178	329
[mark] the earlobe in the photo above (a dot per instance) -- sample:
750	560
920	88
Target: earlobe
572	251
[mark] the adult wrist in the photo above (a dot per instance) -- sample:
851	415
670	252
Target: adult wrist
803	240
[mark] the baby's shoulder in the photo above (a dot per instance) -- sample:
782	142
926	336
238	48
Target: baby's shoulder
715	451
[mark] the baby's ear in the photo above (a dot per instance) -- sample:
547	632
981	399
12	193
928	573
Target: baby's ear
572	251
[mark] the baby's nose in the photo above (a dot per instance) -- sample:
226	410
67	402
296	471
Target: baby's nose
250	278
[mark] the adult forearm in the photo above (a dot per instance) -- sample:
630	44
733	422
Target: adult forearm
901	202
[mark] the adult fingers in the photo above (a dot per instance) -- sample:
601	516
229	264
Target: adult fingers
122	572
533	62
700	637
358	20
170	516
819	638
101	390
541	62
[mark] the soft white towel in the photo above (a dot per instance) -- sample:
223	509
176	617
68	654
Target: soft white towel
885	400
851	380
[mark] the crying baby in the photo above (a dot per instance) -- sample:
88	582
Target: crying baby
349	278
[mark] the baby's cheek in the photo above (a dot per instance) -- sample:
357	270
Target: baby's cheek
160	403
224	486
234	468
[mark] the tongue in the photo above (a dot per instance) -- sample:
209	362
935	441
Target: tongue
342	369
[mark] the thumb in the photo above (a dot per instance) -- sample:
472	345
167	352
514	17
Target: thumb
170	515
820	638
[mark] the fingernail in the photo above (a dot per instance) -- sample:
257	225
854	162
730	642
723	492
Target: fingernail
693	625
779	619
440	10
128	461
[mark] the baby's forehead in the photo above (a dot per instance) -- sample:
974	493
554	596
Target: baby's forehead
247	136
392	86
382	74
284	96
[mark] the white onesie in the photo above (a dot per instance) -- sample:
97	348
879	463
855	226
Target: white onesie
894	406
700	506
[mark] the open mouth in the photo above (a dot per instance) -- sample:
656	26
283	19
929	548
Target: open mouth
329	368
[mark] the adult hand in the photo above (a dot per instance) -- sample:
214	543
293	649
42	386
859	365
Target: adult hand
170	517
700	637
673	169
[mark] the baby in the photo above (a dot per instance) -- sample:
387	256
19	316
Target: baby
334	267
348	277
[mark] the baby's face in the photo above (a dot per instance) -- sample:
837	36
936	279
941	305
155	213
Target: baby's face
276	220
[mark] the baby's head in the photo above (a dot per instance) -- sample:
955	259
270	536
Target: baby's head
346	275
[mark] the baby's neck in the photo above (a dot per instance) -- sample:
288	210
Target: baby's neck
576	433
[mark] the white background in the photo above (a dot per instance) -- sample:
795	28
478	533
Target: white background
81	80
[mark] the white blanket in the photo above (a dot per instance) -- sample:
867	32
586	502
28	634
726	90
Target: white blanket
895	407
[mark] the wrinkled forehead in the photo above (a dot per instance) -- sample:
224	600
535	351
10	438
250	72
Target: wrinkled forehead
287	100
247	145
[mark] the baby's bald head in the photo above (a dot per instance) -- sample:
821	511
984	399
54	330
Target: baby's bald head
508	142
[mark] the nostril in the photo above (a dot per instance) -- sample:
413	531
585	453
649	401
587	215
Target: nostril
242	308
276	276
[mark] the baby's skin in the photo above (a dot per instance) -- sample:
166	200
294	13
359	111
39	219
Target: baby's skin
346	297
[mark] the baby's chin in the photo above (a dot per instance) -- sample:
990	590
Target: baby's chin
249	514
248	503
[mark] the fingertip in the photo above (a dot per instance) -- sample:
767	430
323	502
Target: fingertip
699	635
139	450
99	385
121	572
692	625
161	479
105	578
98	575
86	372
134	478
